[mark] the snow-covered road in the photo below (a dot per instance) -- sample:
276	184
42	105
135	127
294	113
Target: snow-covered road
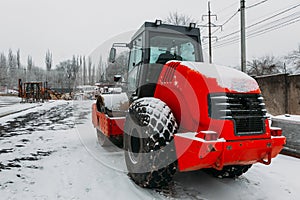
51	152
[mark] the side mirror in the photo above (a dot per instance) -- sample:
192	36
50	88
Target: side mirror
129	45
112	55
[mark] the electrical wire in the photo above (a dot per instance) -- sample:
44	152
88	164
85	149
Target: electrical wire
260	32
286	18
259	22
227	21
226	8
233	38
256	4
280	13
271	26
231	17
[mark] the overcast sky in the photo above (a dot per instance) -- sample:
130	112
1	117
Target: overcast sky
68	27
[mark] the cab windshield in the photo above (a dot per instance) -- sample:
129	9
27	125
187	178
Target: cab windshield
168	47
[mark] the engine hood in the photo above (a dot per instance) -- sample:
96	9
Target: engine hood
226	77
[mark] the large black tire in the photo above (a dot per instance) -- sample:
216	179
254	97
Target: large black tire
148	140
232	171
103	139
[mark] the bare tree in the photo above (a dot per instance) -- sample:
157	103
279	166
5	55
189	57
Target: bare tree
80	70
75	68
3	69
84	71
12	65
66	73
28	74
18	59
179	19
60	81
29	63
293	58
265	65
90	70
100	70
48	60
93	74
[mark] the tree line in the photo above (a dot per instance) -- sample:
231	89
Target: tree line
268	65
78	70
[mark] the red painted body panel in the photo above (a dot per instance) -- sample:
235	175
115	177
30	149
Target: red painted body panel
186	93
109	126
194	153
187	96
201	142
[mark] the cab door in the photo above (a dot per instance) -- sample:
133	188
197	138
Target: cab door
135	65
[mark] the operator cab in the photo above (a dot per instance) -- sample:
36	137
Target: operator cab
153	45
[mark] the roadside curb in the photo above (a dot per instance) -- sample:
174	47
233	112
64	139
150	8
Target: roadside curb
289	152
291	130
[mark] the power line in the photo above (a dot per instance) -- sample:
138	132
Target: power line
280	13
256	4
226	8
276	24
228	20
252	36
232	16
259	22
275	27
287	18
260	32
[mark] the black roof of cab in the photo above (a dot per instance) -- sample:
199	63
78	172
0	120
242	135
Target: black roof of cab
168	28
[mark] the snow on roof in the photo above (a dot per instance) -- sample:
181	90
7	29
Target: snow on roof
226	77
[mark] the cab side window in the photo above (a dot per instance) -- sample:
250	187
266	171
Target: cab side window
135	59
136	53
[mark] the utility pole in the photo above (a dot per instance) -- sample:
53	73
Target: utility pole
243	37
210	25
209	33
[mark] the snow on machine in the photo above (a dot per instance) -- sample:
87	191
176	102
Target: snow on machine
181	114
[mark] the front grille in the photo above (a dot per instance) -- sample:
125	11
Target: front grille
246	110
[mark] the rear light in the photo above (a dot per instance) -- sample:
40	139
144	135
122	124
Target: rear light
275	131
207	135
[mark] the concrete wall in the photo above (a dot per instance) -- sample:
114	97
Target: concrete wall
294	94
281	93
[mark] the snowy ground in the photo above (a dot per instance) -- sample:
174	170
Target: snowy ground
51	152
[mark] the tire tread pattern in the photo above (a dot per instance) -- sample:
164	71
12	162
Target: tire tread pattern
158	125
